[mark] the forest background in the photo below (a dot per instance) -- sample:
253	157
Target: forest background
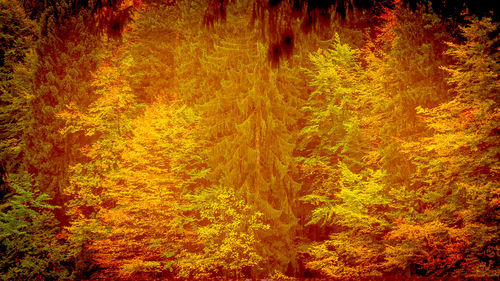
154	139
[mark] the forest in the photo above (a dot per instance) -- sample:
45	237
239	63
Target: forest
280	139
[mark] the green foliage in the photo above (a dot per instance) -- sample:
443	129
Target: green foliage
30	243
355	247
152	74
29	240
16	61
333	126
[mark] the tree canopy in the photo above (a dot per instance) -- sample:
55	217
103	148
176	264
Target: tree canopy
157	139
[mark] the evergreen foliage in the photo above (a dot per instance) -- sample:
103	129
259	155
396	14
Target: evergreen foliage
29	242
250	143
66	56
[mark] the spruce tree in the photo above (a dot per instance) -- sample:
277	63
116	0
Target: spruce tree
66	56
30	242
248	119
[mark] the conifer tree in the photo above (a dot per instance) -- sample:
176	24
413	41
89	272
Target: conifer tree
30	245
154	37
66	55
248	126
15	82
192	149
248	122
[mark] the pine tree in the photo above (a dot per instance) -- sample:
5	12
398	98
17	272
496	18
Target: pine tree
248	120
66	55
405	58
30	245
15	82
154	40
248	124
30	242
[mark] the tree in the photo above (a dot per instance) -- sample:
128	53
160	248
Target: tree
105	123
249	122
15	81
30	243
404	62
248	116
16	38
140	227
456	166
154	37
339	142
141	161
105	17
66	55
227	239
